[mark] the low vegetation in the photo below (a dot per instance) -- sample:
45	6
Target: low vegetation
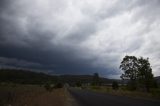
31	95
115	85
26	88
122	91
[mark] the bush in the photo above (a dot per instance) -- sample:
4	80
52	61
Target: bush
132	85
48	87
78	84
58	85
155	92
115	85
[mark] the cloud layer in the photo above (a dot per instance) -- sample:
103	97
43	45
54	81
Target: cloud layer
78	37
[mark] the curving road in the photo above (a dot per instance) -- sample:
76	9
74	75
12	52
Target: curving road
88	98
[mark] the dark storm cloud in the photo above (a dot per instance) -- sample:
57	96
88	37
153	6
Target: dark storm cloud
78	37
4	3
19	63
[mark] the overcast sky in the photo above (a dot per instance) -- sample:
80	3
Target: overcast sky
78	36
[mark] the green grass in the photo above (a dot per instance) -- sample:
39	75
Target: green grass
122	91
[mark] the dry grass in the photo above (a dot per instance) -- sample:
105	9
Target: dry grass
31	95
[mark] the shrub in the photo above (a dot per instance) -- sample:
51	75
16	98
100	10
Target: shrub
78	84
48	87
132	85
58	85
115	85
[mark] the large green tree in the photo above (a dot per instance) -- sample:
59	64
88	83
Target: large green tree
145	75
129	65
138	71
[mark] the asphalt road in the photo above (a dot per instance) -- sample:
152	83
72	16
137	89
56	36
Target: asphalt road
89	98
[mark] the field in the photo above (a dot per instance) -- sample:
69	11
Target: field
32	95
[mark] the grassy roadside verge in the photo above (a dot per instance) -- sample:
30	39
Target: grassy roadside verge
32	95
153	95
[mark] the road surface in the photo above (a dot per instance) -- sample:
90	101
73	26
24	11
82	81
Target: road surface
89	98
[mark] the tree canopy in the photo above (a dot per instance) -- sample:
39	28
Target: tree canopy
137	70
129	65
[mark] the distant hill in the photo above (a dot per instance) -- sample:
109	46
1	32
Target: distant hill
30	77
24	77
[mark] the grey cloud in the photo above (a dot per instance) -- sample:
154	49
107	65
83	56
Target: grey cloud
78	37
16	62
